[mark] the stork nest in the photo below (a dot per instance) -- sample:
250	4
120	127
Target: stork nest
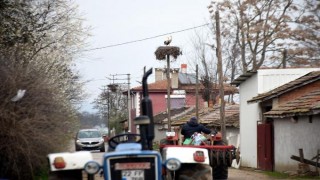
162	52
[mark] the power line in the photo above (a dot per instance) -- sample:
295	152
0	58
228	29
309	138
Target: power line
152	37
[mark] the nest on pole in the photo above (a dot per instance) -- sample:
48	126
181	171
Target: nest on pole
162	52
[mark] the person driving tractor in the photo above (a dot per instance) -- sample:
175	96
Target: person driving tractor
192	126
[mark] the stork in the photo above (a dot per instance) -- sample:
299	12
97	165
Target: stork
168	40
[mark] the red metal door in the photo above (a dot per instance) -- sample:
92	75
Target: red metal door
265	147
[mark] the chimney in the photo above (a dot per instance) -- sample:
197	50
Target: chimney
183	68
158	74
175	78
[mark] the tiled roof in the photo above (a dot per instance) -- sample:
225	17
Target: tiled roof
307	104
161	86
306	79
155	86
211	116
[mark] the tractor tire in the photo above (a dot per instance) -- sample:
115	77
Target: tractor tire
220	171
65	175
193	172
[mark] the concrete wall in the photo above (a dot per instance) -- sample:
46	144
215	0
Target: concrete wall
233	136
269	79
289	137
248	123
264	80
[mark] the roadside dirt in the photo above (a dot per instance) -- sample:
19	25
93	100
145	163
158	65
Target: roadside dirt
235	174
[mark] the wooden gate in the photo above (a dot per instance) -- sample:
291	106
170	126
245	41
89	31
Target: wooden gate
265	147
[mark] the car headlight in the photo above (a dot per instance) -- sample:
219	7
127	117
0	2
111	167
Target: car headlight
91	167
101	140
78	141
172	164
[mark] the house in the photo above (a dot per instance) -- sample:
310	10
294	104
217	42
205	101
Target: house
254	126
182	93
294	117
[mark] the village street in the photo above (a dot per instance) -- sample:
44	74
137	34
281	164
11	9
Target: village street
234	174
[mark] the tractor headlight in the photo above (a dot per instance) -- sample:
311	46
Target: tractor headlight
91	167
172	164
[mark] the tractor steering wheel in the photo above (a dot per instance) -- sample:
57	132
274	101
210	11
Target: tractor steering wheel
123	138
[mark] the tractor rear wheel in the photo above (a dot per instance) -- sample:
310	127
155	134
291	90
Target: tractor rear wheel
193	172
220	171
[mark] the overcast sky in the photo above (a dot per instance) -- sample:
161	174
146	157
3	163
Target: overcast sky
118	21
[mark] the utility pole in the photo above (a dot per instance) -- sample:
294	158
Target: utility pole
164	53
197	93
128	98
220	72
168	93
129	106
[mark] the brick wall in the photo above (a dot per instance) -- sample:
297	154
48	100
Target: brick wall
299	92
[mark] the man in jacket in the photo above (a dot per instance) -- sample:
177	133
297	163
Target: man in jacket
193	126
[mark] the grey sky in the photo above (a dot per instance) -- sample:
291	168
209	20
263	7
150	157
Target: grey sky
119	21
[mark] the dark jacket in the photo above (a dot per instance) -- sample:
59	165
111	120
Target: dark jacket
191	127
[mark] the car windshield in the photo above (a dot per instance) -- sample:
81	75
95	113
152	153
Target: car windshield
89	134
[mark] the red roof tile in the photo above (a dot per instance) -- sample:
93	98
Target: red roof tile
307	104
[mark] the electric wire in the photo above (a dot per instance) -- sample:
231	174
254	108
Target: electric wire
144	39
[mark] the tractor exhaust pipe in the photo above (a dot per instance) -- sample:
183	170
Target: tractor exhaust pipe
147	130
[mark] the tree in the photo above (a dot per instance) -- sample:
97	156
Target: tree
90	120
39	40
204	47
113	106
263	29
306	51
203	57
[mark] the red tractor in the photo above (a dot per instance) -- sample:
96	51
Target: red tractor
203	158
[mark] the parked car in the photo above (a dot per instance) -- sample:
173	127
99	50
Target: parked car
89	139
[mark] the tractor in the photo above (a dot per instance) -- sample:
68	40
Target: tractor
204	157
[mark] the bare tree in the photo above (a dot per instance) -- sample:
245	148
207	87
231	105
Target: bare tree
263	29
207	63
205	53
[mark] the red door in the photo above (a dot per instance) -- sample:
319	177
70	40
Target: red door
265	147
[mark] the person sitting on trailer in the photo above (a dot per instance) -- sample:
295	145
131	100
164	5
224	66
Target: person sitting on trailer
190	127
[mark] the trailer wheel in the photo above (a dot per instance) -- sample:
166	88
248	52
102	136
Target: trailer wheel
194	172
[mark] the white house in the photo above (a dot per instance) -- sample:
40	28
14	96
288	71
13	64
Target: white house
250	85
